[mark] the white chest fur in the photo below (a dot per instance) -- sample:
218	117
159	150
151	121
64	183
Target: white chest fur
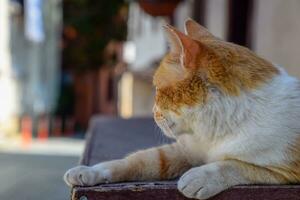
256	127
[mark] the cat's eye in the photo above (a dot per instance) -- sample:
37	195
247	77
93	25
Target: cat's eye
213	89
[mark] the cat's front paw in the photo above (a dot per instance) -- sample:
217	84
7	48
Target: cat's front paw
202	182
86	176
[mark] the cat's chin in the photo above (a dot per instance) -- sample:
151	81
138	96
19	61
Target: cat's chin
168	133
169	129
175	135
170	136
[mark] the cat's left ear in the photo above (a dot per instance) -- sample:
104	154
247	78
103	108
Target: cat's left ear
187	48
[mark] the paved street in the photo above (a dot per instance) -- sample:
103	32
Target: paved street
34	177
36	174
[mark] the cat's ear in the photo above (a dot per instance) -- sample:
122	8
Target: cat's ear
173	40
196	31
183	46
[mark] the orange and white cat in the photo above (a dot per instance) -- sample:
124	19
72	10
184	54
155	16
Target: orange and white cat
234	115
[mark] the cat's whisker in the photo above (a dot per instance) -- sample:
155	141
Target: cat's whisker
235	117
166	127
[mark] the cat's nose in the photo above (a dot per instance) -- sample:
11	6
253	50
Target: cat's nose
156	110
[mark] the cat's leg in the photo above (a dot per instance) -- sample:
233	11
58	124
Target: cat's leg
159	163
210	179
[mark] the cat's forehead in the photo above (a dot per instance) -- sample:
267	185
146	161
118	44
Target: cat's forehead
229	67
189	92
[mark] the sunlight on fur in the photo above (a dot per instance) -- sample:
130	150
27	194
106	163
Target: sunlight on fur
234	115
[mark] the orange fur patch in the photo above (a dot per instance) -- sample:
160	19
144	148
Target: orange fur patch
134	171
234	68
227	66
165	162
163	165
168	72
190	91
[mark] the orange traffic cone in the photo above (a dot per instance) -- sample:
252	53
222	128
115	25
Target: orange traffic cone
43	129
26	131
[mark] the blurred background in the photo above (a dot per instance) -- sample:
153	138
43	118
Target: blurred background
64	61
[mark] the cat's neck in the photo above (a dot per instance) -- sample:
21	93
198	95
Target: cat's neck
227	115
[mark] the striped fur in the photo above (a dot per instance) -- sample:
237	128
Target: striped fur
233	114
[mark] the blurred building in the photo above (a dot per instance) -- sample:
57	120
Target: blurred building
30	59
268	27
8	89
99	57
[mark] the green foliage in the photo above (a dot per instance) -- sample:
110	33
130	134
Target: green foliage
88	27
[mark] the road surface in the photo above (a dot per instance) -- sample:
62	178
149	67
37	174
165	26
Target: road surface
34	177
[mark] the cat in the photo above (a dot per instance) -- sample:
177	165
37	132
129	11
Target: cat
234	115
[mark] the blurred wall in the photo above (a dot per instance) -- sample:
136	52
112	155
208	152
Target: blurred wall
146	37
274	34
143	93
216	18
147	45
8	88
35	52
276	31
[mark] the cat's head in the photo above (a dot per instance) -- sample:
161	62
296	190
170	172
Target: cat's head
198	68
